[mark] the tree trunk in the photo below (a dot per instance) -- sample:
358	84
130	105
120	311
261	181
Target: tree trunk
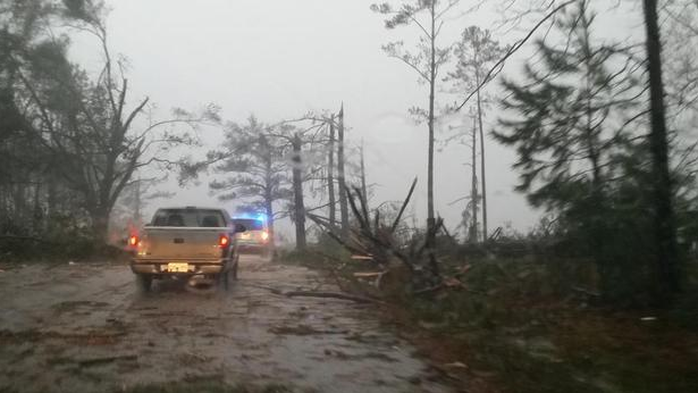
38	213
430	163
473	188
364	190
51	201
20	199
431	219
482	163
137	217
269	210
269	185
100	224
330	176
343	203
667	263
299	207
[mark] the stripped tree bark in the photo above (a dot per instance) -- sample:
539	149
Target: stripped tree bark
330	175
299	204
341	179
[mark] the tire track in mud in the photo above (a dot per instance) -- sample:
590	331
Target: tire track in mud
84	328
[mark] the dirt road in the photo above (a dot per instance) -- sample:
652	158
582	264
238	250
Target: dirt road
86	328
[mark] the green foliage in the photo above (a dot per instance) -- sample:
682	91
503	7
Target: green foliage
522	320
578	158
66	239
476	52
251	167
66	132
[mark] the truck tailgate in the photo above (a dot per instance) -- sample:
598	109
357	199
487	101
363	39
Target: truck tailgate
179	243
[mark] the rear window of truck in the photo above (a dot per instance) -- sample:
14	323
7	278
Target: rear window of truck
196	218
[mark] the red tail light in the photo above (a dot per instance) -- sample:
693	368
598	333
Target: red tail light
133	241
223	241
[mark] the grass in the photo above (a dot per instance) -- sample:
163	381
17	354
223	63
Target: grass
516	324
521	328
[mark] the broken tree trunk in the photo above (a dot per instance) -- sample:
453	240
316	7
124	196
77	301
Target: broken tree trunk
299	206
344	211
330	175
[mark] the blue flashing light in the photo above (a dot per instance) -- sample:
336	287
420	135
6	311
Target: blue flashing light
252	216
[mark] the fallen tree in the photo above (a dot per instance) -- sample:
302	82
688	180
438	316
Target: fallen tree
398	265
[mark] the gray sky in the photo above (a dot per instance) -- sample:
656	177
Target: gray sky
279	59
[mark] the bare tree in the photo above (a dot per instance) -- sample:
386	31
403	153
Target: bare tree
474	195
341	176
364	189
476	53
426	60
298	196
330	174
86	124
305	162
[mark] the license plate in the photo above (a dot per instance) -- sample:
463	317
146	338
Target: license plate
177	267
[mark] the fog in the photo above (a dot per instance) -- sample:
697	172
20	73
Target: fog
279	60
111	109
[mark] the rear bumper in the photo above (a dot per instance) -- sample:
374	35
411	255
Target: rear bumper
251	245
159	267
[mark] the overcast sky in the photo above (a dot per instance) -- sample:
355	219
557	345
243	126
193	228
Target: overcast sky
278	59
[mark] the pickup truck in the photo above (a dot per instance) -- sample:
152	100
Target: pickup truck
194	243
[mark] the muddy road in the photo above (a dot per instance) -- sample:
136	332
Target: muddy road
86	327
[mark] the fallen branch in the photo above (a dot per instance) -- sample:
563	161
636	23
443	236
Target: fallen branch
321	294
369	274
441	286
586	292
107	359
334	295
406	202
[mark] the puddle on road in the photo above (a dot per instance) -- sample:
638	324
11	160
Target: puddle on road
50	335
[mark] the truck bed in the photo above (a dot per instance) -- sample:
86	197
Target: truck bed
182	243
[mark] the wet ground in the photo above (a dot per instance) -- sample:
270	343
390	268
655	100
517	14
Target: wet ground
86	328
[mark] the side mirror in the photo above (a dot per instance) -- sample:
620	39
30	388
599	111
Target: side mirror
239	228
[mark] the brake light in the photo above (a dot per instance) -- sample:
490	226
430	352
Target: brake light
223	241
133	241
265	235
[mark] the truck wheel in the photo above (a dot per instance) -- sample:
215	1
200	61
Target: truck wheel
234	272
144	282
224	280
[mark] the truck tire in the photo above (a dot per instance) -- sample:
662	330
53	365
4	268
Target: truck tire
144	282
234	272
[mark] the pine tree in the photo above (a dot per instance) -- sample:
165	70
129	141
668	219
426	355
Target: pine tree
476	53
574	154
